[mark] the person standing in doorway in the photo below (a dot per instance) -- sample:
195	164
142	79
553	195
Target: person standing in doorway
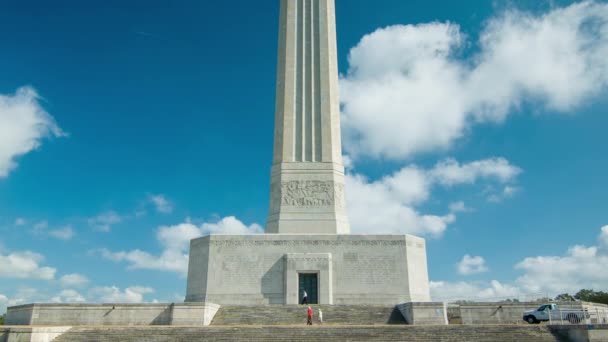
304	298
310	312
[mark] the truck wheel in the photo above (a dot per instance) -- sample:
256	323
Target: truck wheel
531	319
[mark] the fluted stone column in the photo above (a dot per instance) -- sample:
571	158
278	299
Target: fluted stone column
307	179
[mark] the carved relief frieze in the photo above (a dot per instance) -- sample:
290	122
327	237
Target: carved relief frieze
307	193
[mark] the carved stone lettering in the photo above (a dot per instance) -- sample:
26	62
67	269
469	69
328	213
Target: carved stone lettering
297	243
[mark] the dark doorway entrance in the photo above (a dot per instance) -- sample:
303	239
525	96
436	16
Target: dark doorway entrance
310	283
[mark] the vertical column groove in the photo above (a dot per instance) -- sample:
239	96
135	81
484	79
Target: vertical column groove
307	124
317	137
299	82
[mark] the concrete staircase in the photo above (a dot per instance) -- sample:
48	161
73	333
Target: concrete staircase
296	314
316	333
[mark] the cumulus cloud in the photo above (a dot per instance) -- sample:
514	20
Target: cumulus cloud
450	172
73	280
407	92
42	229
24	295
388	205
25	265
230	225
68	296
175	241
104	222
478	291
113	294
581	267
604	237
161	204
379	207
66	233
472	265
23	126
459	207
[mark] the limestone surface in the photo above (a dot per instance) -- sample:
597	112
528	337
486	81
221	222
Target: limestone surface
307	178
264	269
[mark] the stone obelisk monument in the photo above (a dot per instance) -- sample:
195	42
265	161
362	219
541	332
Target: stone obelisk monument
307	245
307	181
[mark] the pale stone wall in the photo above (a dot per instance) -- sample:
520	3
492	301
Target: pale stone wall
192	314
307	178
251	269
424	313
495	313
42	334
508	313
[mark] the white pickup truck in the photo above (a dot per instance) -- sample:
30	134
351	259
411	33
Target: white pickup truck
552	312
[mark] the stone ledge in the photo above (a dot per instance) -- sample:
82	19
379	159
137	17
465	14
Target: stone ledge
193	314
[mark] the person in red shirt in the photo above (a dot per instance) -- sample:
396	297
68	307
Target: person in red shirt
310	312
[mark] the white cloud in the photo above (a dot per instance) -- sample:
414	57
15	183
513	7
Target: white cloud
459	207
161	203
25	265
105	221
23	126
407	92
377	207
112	294
450	172
24	295
20	222
581	267
65	233
472	265
498	196
175	241
73	280
388	205
604	236
476	291
230	226
68	296
42	229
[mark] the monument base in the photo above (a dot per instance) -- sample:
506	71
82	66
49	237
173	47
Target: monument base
335	269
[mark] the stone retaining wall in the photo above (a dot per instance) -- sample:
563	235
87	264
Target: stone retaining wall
192	314
512	313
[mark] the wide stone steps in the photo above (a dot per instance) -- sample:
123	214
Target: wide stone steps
296	314
316	333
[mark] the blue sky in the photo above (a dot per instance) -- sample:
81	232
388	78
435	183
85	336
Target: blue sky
128	128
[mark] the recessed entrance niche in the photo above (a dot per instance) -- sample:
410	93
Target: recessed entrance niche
310	283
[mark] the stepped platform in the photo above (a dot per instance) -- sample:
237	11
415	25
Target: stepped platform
315	333
296	314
